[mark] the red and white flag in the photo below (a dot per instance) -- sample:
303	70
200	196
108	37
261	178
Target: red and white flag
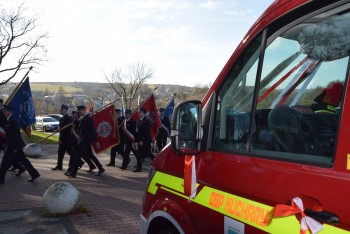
152	115
127	132
190	177
107	129
2	133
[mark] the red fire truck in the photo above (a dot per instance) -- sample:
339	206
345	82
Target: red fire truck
267	150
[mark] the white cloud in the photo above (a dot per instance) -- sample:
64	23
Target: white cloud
240	12
176	37
210	5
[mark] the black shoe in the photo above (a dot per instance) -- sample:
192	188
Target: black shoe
137	170
81	165
56	168
71	174
91	169
110	165
33	178
100	172
127	163
12	169
122	168
20	171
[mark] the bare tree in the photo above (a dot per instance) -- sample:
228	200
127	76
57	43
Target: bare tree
128	85
199	90
20	47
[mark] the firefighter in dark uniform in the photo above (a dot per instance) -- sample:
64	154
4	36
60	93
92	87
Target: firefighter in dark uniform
120	147
143	128
164	131
129	129
65	140
87	136
14	148
16	165
328	100
74	139
2	125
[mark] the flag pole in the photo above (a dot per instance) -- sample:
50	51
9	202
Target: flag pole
103	107
144	100
18	86
172	98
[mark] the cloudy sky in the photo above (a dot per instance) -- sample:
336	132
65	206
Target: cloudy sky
185	42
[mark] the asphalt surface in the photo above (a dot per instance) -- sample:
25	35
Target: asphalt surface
113	200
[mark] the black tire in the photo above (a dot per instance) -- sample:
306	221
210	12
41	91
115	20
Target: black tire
168	230
162	226
44	129
33	127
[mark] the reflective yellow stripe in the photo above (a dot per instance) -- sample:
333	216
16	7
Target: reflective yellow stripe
324	112
330	110
239	208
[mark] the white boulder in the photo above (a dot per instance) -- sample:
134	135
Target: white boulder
61	198
32	150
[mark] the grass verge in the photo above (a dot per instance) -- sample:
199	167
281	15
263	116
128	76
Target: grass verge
36	136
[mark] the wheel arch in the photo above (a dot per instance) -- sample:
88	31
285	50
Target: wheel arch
167	210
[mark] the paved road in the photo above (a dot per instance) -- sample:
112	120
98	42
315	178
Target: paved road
114	199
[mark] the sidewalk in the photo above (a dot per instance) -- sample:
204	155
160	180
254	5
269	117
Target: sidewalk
114	199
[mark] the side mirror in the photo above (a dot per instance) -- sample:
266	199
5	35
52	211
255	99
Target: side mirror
186	127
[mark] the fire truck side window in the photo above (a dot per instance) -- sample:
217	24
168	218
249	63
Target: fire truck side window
299	98
235	101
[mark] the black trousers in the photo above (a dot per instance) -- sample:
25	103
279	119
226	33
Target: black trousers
126	156
2	144
144	151
87	152
161	142
114	150
10	158
63	147
73	158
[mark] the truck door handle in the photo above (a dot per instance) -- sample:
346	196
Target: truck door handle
322	216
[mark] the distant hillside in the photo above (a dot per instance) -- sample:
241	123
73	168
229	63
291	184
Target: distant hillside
52	88
48	96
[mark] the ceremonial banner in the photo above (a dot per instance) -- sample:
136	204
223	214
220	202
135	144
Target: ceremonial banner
106	128
169	109
152	115
23	106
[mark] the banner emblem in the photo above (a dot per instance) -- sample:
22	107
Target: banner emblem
104	129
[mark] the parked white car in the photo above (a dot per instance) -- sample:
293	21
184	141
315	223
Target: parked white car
55	116
45	123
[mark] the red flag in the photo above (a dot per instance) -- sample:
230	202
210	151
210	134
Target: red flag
107	129
152	114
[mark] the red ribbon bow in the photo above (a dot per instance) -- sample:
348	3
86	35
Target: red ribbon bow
297	207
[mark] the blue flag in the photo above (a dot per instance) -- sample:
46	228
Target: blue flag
22	105
123	107
169	109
